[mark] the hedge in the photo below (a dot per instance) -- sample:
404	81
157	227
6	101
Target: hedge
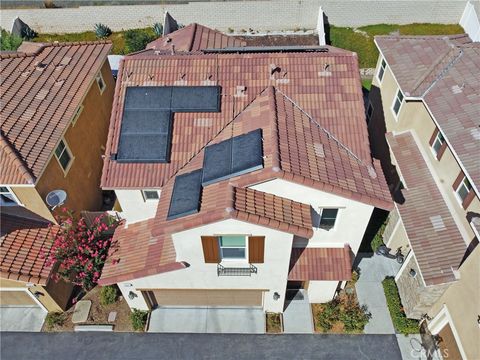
400	321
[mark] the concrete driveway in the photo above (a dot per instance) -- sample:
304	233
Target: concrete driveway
207	320
21	318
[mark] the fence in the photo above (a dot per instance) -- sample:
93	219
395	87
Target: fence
273	15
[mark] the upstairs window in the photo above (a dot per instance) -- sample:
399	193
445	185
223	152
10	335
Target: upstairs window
326	219
101	83
381	70
438	143
397	103
463	190
77	114
233	247
7	197
150	195
63	155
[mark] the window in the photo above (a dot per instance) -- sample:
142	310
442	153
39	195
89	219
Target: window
77	114
8	198
397	103
326	219
150	195
463	189
369	112
233	247
381	70
101	84
438	142
63	155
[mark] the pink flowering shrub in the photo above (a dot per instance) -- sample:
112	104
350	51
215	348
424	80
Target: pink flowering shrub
81	250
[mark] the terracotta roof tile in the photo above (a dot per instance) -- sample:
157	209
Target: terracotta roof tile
25	244
328	264
39	95
435	238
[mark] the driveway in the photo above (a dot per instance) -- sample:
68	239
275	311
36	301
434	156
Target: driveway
297	317
207	320
21	318
120	346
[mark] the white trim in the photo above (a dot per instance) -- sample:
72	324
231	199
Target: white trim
395	98
435	153
150	190
98	77
382	58
77	114
15	198
394	231
440	321
72	158
320	213
460	200
405	262
29	293
222	259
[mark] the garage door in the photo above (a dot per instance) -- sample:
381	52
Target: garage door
190	297
16	298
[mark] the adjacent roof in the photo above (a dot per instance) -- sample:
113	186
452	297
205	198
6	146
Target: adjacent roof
334	264
435	238
40	92
194	37
445	72
25	243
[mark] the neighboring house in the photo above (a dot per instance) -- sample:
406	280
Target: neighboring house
426	99
240	174
55	103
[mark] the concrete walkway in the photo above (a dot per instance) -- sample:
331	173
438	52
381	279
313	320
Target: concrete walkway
373	269
207	320
21	318
297	317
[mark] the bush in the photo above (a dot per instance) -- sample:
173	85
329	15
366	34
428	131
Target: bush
139	319
137	39
108	295
378	238
9	42
55	319
329	315
102	31
158	29
400	321
354	316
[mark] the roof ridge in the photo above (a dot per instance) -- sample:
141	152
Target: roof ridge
426	37
13	153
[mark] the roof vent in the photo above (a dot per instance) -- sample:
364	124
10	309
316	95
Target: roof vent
241	91
475	133
274	69
56	198
203	122
371	172
437	223
319	150
458	89
326	71
40	66
42	94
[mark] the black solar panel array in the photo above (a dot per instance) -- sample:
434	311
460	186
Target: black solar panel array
233	157
186	195
146	132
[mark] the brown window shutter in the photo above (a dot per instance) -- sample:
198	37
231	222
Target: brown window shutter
256	249
441	150
434	135
468	199
210	249
458	180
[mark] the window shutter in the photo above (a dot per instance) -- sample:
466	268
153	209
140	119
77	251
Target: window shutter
468	199
458	180
256	249
434	135
441	150
210	249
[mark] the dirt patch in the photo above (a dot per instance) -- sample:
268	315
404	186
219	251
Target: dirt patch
280	40
99	314
274	323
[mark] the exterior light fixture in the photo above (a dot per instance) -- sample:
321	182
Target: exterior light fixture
276	296
412	273
132	295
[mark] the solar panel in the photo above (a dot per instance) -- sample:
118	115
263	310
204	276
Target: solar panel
186	195
233	157
145	134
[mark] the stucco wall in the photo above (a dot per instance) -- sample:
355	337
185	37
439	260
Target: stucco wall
352	218
321	291
30	198
134	207
259	15
272	274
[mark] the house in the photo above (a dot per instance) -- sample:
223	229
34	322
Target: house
55	103
241	173
424	118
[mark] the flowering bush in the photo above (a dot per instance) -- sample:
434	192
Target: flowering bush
80	250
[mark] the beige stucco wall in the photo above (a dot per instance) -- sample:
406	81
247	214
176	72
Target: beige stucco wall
29	197
463	302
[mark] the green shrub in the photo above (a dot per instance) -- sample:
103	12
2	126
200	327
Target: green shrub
329	315
158	29
102	31
354	316
9	42
400	321
55	319
108	295
139	319
137	39
378	238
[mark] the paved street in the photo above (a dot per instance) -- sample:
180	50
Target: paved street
119	346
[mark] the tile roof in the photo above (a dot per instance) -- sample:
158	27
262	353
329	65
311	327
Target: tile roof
445	73
194	37
230	198
328	264
435	238
40	92
332	97
24	248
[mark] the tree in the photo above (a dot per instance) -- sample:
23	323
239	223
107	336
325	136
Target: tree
8	41
80	250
